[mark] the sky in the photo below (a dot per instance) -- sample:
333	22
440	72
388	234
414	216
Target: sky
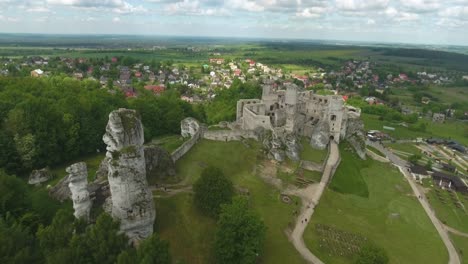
406	21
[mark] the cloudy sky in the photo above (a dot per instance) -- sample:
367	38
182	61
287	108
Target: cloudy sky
409	21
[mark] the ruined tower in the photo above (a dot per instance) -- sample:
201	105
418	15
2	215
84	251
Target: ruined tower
132	201
291	106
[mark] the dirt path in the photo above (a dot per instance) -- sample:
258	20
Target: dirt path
402	166
455	231
312	195
168	192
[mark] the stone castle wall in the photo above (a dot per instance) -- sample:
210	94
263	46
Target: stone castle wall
182	150
229	135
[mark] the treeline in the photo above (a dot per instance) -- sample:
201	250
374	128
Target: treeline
452	60
34	230
47	121
223	106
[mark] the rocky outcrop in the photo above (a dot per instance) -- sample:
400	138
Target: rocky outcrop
292	147
320	135
78	184
39	176
159	164
61	191
189	127
132	201
355	135
103	170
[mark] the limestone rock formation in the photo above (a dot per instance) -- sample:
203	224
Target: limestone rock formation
78	184
355	135
39	176
103	170
320	135
189	127
132	201
159	163
292	147
61	191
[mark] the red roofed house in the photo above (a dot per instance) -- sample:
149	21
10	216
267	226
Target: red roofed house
157	89
114	59
403	77
138	74
130	94
237	72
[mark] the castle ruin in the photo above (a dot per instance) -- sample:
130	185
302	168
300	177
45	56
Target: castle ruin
292	112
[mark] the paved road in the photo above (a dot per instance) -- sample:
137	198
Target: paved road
308	210
401	164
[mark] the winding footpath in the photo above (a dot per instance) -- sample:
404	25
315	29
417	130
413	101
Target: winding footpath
441	229
307	211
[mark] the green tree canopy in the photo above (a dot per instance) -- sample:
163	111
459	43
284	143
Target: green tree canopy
212	190
241	234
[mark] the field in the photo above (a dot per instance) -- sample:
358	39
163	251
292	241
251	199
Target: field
376	151
239	163
449	129
390	217
461	244
310	154
169	143
451	208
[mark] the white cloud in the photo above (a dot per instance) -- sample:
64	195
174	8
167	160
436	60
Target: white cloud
313	12
116	19
360	5
421	5
400	16
38	9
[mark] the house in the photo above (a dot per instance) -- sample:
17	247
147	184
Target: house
186	99
37	73
425	100
114	60
438	118
450	182
418	172
138	74
78	75
157	89
218	61
449	167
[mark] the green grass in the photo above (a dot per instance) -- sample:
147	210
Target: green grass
92	162
314	176
405	147
446	210
169	142
237	162
216	128
390	217
310	154
461	244
450	129
376	151
190	234
348	178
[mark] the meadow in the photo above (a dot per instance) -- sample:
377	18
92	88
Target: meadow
389	216
188	232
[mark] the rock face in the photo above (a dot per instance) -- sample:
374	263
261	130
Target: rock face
39	176
320	136
132	201
61	191
189	127
78	184
292	147
159	163
355	135
103	170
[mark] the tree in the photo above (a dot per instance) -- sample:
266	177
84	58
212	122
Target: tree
14	197
101	243
372	254
16	242
150	251
429	165
241	234
212	190
414	158
54	239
